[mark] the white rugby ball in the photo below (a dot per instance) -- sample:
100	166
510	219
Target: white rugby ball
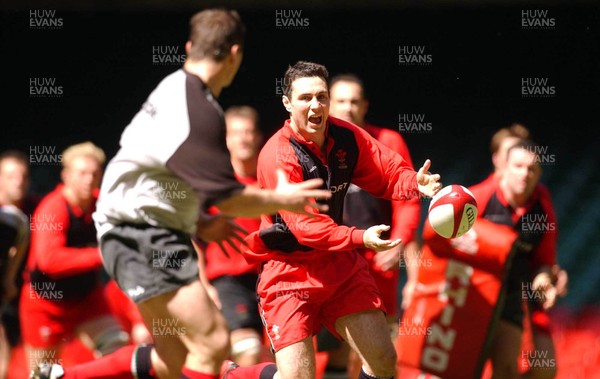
452	211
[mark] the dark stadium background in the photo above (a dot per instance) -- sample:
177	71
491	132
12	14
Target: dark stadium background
102	56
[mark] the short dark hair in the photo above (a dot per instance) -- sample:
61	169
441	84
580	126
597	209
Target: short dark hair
16	155
243	111
214	31
303	69
515	130
525	144
351	78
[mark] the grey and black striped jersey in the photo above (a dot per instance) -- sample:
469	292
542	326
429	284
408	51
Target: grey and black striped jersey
173	161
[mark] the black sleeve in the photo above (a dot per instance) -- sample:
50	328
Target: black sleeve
203	160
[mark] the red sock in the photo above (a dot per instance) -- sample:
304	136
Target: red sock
116	365
187	373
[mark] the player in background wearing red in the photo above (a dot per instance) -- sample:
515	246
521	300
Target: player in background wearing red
232	277
361	209
539	320
63	291
14	191
517	199
311	274
171	167
504	261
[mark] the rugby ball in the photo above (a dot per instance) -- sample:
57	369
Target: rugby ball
452	211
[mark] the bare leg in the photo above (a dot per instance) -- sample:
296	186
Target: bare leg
4	353
182	336
544	366
505	351
103	335
297	361
354	362
368	334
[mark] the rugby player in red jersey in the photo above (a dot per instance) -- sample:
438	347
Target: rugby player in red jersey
481	279
361	209
501	141
311	273
518	199
63	292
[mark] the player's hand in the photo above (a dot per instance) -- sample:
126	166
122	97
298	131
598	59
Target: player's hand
428	183
372	240
467	243
221	229
295	197
561	281
543	284
389	259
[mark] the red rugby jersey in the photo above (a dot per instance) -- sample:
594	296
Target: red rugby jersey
63	238
351	156
536	220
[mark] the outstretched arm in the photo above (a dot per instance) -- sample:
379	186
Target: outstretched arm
292	197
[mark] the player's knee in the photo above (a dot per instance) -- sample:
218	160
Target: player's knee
110	340
220	344
388	361
383	362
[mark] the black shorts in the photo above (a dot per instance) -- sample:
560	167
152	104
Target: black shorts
11	322
238	299
148	261
513	308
